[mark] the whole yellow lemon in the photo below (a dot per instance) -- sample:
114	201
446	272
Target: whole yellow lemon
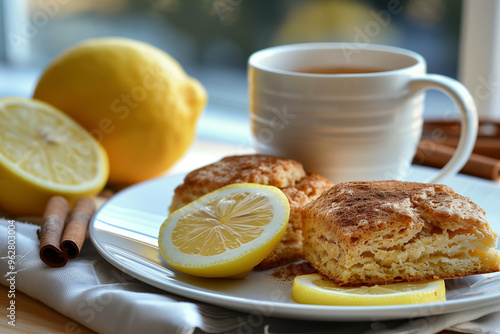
132	97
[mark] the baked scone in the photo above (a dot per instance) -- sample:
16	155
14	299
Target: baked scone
288	175
367	233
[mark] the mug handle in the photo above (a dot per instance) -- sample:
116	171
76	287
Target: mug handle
468	119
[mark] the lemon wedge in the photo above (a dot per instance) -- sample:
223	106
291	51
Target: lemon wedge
226	232
315	289
43	153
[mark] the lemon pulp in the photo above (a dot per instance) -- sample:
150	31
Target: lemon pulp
229	222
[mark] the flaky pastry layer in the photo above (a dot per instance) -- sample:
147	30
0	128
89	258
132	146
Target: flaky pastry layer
366	233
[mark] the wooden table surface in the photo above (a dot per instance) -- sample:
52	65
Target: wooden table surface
35	317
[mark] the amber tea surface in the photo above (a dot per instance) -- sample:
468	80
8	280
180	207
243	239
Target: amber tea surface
339	70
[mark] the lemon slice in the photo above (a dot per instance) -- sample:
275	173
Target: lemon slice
43	153
315	289
226	232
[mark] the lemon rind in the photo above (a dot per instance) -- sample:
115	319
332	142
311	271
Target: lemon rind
305	292
221	265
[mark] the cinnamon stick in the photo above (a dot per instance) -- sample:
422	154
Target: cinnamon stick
487	128
432	154
448	133
76	228
489	147
52	229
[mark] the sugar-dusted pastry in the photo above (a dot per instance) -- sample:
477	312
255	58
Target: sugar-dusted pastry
366	233
288	175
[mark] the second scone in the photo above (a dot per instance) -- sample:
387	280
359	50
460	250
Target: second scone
288	175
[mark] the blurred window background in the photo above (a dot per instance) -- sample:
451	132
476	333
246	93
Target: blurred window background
212	39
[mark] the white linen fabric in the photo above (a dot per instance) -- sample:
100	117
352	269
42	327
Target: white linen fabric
95	294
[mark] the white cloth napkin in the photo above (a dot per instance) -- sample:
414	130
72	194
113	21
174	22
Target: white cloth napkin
94	293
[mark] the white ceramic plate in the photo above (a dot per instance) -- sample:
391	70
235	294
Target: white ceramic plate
125	230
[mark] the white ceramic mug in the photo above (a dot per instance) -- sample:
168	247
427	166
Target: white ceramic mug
349	126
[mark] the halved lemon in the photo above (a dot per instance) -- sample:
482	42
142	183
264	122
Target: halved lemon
43	153
315	289
226	232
